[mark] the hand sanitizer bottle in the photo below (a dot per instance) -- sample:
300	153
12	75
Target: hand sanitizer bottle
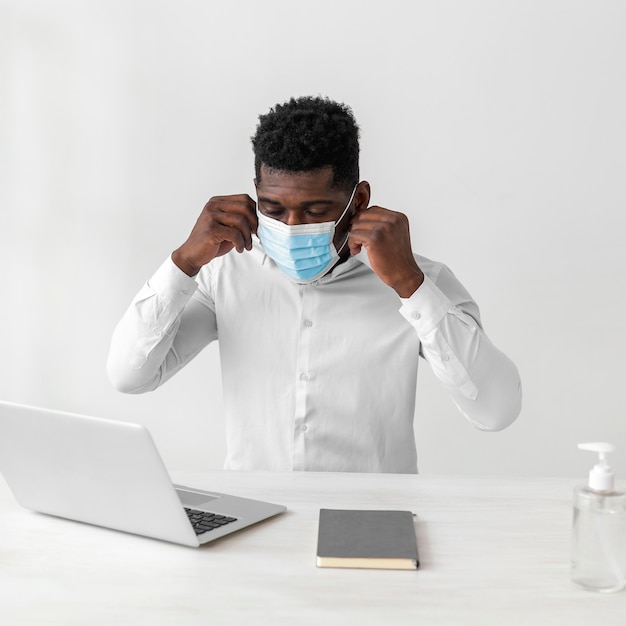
599	531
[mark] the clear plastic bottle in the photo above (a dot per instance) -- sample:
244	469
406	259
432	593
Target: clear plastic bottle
599	530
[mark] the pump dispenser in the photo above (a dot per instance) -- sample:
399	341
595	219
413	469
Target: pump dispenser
599	530
601	476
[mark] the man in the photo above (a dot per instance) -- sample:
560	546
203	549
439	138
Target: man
321	310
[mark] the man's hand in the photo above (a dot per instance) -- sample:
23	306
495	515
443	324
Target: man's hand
386	237
226	222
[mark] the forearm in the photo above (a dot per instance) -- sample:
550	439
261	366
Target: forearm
481	380
162	330
142	356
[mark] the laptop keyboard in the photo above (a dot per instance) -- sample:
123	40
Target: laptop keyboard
204	522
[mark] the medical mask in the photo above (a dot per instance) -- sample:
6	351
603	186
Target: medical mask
304	252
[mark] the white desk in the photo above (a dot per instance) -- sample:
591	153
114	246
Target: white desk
493	551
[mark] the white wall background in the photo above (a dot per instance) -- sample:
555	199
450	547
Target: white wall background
497	126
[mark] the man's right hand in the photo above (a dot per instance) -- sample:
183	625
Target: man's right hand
226	222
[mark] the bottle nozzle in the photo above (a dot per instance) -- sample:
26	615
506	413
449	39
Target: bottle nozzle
601	477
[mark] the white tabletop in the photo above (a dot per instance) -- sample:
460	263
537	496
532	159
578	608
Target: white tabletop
493	551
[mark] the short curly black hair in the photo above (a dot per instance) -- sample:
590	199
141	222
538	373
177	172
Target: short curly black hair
307	134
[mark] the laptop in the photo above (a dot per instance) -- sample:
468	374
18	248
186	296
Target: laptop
110	474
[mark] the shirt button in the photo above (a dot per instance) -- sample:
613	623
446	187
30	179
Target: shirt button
445	357
416	315
304	377
303	428
308	323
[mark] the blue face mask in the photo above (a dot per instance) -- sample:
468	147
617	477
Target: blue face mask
304	252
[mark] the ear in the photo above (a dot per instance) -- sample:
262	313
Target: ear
362	197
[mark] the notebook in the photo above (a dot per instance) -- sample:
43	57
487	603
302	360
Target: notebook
110	474
366	539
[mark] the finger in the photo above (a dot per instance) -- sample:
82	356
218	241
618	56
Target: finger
353	246
365	234
384	227
241	204
238	222
375	216
359	238
226	234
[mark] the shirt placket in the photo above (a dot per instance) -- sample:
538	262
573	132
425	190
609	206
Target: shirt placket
304	377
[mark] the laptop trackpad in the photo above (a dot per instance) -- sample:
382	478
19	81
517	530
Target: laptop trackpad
193	499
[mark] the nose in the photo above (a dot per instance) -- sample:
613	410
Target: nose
293	219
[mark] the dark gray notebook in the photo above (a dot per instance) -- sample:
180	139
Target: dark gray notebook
366	539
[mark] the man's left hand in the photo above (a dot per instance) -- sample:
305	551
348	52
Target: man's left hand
386	237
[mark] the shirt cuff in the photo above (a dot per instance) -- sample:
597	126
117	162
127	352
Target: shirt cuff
171	284
426	307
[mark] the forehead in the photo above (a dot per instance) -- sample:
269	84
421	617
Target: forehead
279	183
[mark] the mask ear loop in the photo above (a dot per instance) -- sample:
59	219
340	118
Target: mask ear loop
345	241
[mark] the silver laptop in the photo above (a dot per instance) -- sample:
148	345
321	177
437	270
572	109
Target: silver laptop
110	474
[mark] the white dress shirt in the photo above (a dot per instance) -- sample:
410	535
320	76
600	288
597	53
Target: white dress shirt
316	377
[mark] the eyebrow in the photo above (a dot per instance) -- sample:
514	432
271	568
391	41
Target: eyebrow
306	203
